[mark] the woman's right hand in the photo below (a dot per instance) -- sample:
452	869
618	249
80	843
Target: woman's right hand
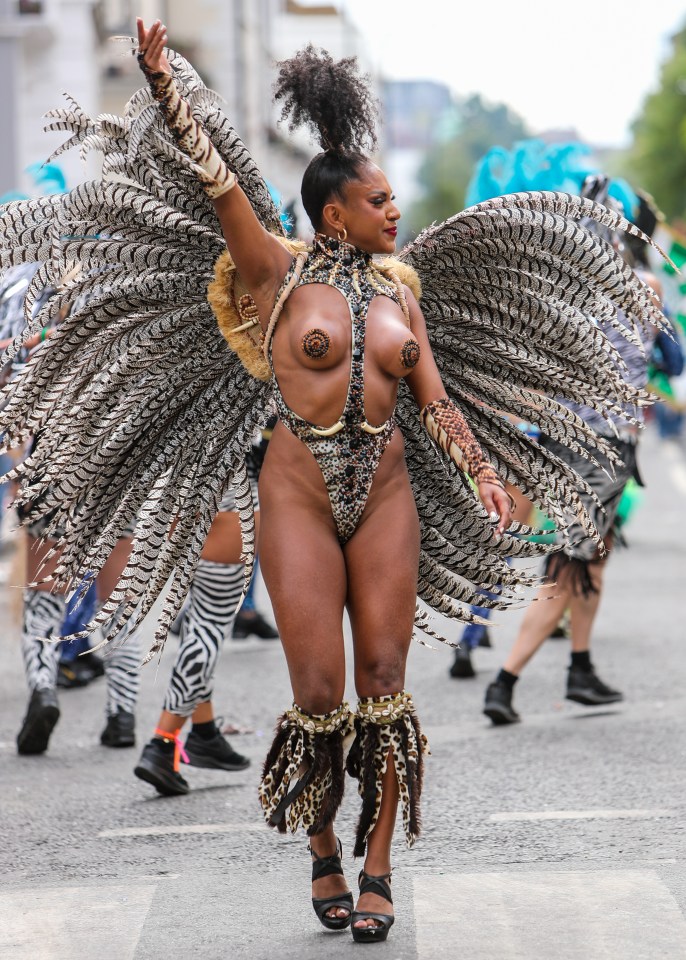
151	45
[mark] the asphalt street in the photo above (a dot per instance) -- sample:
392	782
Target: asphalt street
562	837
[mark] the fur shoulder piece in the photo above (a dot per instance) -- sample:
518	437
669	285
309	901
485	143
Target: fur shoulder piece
234	308
404	272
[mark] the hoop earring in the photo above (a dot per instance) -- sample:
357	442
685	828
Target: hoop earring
343	235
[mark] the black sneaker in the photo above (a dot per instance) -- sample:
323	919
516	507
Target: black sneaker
73	673
39	722
119	731
94	663
214	754
253	624
585	686
462	666
156	766
498	705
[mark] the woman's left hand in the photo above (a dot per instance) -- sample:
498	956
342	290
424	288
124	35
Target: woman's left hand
151	44
497	502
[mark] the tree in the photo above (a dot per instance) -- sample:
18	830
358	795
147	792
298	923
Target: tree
447	168
657	157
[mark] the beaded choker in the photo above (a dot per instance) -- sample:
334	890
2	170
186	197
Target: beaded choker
341	252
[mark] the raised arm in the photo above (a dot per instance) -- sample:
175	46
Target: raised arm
446	425
259	257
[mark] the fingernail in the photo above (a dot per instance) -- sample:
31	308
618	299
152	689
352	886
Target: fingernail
493	515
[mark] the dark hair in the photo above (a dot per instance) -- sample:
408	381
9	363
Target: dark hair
335	102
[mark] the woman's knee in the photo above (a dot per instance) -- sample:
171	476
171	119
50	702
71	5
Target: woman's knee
318	693
381	673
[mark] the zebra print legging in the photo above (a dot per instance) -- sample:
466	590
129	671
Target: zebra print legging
43	617
213	596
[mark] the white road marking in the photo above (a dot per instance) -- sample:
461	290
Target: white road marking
578	815
678	474
63	923
179	829
536	915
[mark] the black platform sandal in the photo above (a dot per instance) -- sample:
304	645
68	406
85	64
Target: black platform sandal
326	867
377	934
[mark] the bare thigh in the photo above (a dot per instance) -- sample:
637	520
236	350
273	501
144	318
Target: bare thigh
223	543
382	561
113	567
304	572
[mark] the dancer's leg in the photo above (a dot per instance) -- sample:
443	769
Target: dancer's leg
213	597
123	655
584	607
214	593
382	610
304	572
540	619
42	618
210	613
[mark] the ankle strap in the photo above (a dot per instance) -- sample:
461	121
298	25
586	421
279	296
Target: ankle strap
327	866
378	885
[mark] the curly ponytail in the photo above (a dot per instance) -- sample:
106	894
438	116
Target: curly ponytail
335	103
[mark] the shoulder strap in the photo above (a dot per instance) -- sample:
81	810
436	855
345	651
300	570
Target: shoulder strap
236	311
289	282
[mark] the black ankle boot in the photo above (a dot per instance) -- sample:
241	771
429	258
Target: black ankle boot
246	625
39	722
585	686
119	731
498	704
462	667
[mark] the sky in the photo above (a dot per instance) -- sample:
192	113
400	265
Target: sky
583	64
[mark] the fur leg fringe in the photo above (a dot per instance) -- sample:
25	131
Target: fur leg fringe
384	727
303	777
576	569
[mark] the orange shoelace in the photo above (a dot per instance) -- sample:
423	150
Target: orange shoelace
179	752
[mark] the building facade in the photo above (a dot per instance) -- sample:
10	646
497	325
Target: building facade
45	48
65	45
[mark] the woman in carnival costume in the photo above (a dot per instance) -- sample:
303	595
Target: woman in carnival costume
365	493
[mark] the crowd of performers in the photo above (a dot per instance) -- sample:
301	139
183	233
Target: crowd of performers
146	384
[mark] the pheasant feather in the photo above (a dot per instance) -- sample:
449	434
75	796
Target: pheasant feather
142	411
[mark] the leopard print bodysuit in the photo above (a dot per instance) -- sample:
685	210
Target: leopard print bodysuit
348	453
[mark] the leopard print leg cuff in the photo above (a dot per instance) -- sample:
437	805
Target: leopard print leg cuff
303	776
387	726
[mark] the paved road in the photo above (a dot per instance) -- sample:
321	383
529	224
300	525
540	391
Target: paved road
560	838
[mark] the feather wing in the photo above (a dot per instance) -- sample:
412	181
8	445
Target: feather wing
515	292
140	407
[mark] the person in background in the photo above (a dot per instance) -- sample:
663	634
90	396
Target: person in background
207	622
477	634
575	574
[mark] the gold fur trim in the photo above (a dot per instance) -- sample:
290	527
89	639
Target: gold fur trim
405	273
233	307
